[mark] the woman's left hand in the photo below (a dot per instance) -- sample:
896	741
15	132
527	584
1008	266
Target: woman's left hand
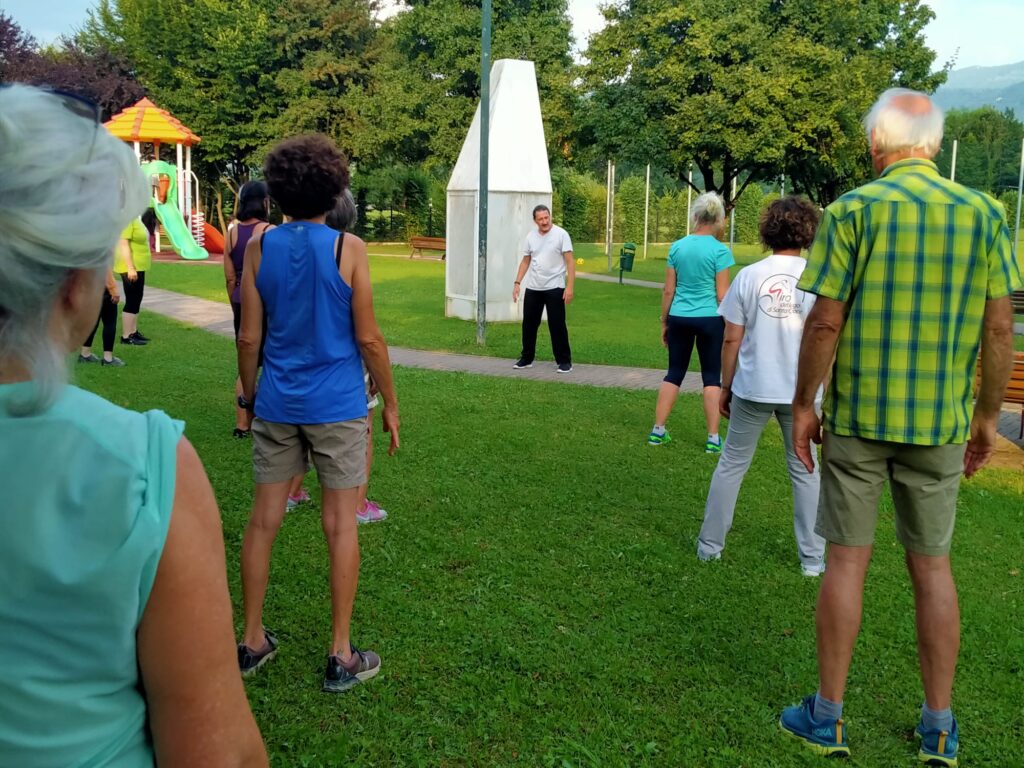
390	418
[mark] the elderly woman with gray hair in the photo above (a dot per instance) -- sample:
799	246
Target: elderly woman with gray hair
114	608
696	280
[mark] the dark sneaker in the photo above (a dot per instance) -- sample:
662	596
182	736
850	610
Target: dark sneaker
140	337
241	434
824	737
522	363
90	358
340	676
117	362
133	341
565	368
938	747
249	660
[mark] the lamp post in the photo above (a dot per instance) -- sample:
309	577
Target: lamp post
484	191
430	218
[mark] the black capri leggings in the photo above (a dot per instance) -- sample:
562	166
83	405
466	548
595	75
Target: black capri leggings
108	316
133	292
708	333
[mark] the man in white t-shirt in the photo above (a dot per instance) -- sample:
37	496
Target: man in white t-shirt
547	273
764	315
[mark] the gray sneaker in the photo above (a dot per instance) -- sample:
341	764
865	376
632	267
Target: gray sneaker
249	660
117	362
90	358
341	676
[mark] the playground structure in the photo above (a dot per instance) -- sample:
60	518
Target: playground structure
175	187
519	180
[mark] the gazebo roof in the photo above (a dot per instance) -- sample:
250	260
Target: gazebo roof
145	121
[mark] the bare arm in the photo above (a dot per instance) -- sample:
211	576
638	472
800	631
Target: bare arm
125	249
368	335
229	268
523	266
730	354
817	350
996	366
570	278
250	333
198	712
721	284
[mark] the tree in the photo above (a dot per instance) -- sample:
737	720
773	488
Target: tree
988	148
745	96
17	49
426	83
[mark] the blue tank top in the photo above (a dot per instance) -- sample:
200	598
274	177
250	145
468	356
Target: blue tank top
88	493
312	368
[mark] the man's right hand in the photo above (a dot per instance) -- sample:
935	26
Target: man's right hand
515	293
806	429
981	444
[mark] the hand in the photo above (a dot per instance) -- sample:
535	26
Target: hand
806	428
133	275
515	293
664	335
374	389
567	295
725	402
390	418
981	444
115	296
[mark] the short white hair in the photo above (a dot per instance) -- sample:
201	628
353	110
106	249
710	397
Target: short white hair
891	127
67	190
707	209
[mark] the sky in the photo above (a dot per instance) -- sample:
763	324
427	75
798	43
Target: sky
975	32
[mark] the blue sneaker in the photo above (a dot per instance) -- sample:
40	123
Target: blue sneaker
938	747
825	737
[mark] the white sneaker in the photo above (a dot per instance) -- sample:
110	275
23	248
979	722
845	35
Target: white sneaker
812	571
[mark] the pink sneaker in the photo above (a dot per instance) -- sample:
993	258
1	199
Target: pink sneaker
301	498
371	513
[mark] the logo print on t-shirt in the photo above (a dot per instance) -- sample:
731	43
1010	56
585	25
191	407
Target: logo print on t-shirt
779	297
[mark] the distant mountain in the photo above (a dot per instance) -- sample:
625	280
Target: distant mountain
973	87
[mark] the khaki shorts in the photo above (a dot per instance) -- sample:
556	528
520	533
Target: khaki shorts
338	451
924	482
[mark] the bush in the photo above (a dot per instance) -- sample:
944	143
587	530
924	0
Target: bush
578	205
629	210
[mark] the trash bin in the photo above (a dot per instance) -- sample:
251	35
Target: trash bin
626	256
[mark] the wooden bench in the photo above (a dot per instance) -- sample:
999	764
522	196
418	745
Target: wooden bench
1017	297
1015	389
428	244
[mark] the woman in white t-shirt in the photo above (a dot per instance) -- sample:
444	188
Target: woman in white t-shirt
764	315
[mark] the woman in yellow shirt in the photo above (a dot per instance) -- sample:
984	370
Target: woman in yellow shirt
131	261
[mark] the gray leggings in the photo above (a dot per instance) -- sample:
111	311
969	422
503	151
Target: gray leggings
745	426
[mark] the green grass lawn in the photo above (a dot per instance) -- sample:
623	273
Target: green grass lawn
536	600
653	267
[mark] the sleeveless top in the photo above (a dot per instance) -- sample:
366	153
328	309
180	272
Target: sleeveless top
243	235
88	493
312	368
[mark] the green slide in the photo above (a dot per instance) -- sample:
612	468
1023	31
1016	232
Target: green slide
169	215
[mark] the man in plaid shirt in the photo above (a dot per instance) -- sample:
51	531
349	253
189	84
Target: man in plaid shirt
912	272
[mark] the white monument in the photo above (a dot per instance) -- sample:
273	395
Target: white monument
519	179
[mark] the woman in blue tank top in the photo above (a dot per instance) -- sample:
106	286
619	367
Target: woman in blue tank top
312	283
114	604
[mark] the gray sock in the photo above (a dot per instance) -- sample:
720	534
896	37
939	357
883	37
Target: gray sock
824	709
936	719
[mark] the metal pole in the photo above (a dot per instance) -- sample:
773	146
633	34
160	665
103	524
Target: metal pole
689	191
732	217
1020	189
647	202
782	188
611	220
608	214
484	190
952	167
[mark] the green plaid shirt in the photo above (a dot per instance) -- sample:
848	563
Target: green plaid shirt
915	257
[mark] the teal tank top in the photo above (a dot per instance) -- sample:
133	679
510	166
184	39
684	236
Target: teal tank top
88	489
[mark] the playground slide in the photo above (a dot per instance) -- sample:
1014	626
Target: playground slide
177	231
214	240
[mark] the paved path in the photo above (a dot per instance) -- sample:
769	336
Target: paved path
215	317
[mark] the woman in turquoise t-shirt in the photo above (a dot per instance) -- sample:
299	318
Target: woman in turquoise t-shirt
696	279
114	605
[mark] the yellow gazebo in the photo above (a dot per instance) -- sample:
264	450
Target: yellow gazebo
145	122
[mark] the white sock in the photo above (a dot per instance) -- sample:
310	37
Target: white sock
659	431
714	438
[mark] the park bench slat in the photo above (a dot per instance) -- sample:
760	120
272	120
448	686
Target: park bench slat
429	244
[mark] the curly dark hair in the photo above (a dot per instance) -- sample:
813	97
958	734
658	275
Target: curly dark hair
789	222
305	175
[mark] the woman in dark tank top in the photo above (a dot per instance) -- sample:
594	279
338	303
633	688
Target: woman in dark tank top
251	214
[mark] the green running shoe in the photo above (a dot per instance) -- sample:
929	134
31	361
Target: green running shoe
656	439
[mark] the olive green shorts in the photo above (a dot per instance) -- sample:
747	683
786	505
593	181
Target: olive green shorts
924	480
338	450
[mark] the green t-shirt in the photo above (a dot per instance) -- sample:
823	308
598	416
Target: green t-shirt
88	494
138	240
915	257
